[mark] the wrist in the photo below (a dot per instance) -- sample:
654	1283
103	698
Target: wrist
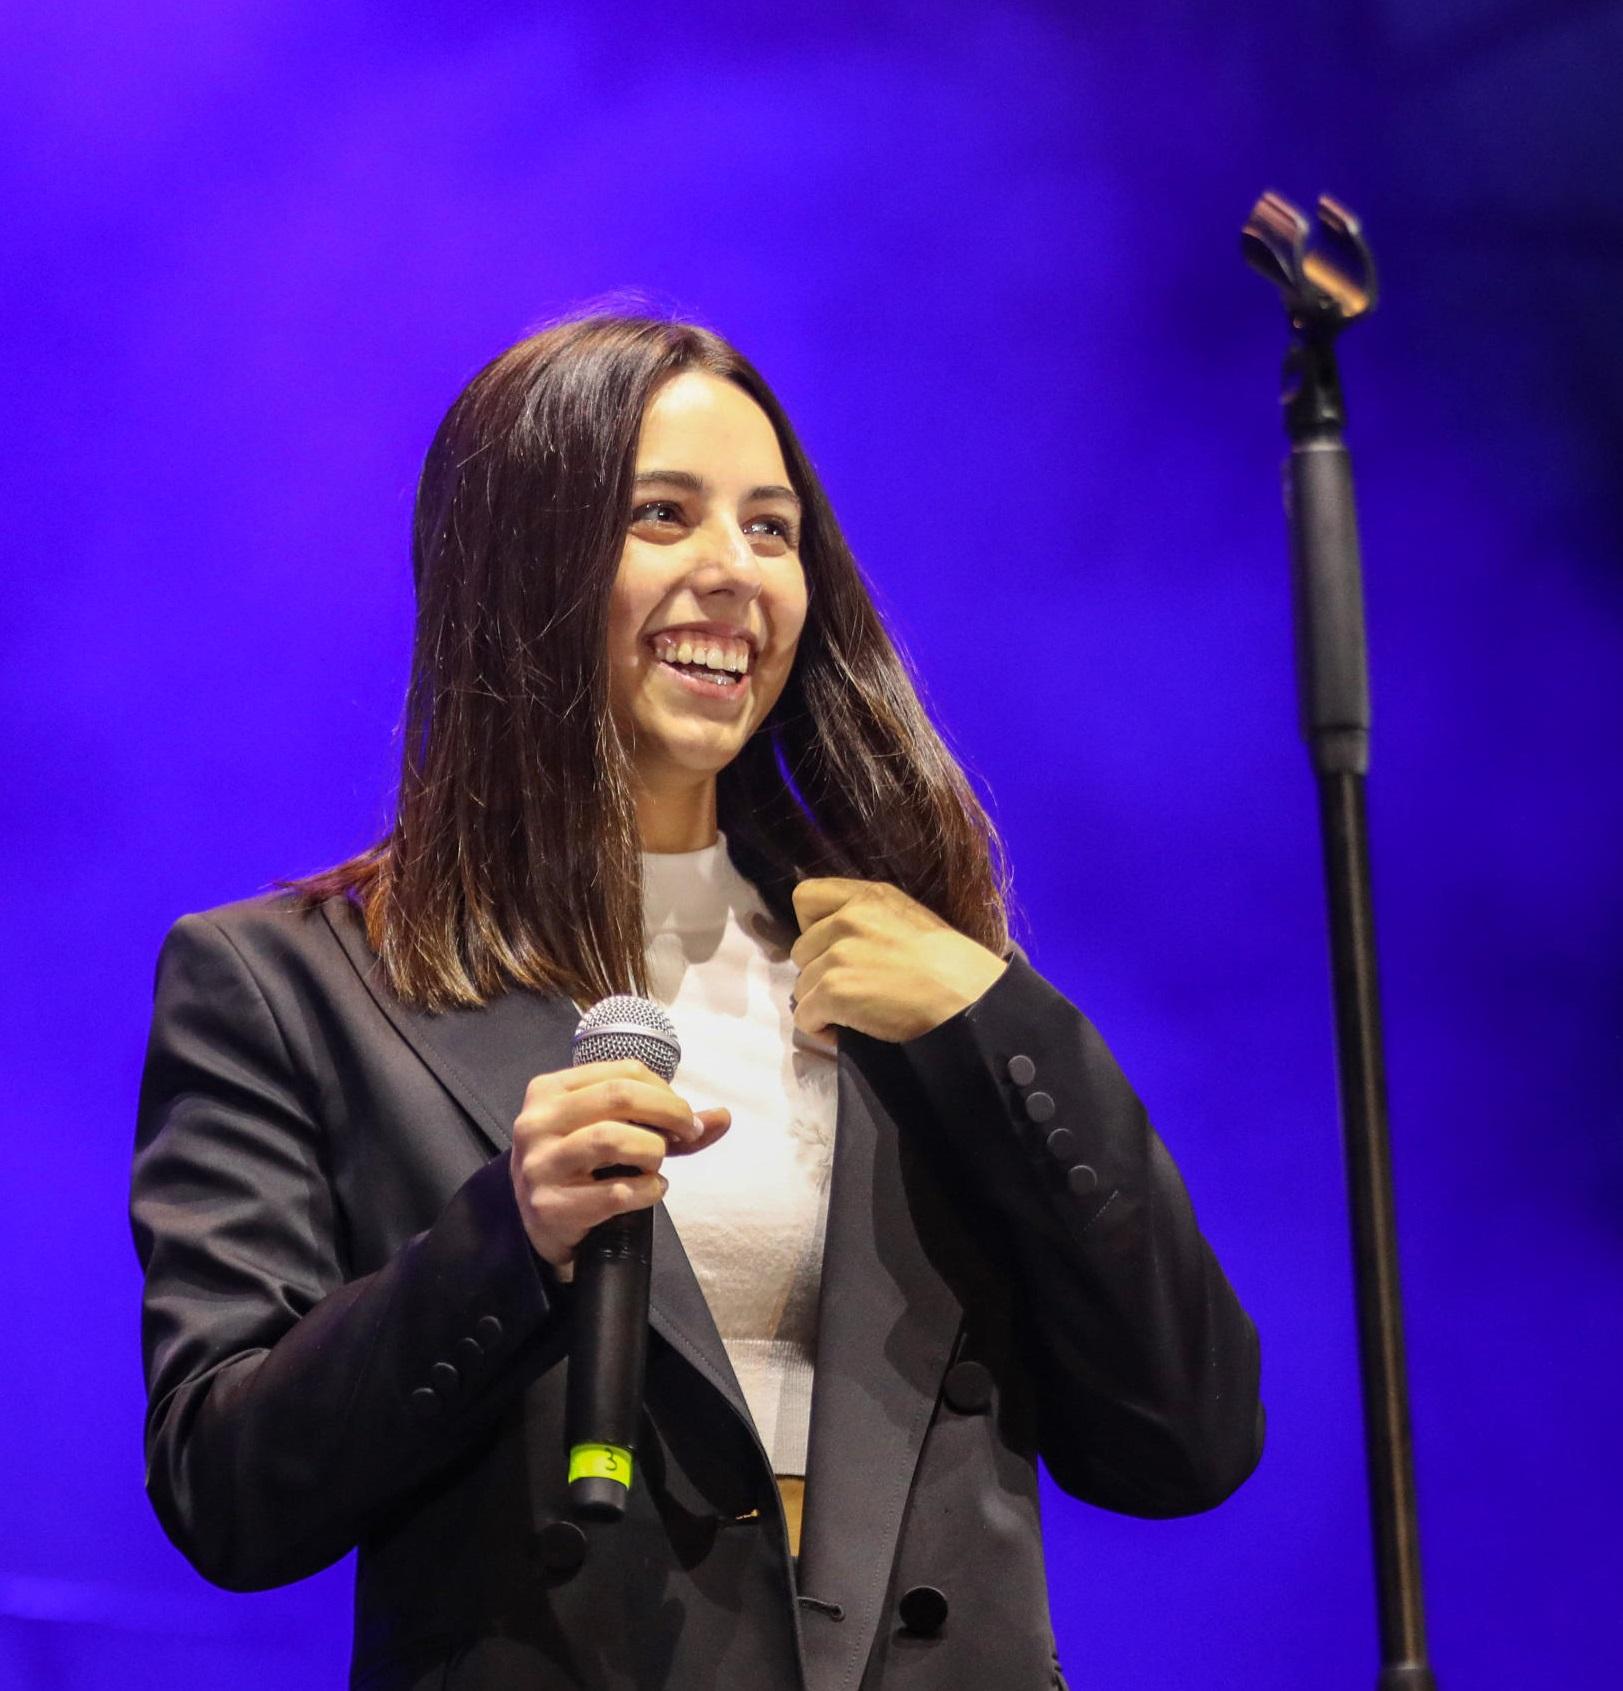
965	992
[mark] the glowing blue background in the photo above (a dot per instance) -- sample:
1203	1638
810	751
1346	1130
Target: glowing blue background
988	255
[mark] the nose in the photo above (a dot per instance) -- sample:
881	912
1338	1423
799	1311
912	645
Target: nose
725	561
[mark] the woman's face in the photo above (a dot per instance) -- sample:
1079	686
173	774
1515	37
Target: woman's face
710	597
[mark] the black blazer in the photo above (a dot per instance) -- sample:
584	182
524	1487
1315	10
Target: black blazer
349	1341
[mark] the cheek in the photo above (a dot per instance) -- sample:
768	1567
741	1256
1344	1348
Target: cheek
623	621
789	622
623	651
632	601
789	611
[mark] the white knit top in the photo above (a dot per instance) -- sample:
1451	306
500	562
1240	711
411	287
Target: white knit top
750	1210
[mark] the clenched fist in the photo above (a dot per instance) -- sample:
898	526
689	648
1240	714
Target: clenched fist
875	960
588	1144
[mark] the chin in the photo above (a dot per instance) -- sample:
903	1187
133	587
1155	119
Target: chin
693	757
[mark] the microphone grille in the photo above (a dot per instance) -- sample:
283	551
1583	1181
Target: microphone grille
624	1026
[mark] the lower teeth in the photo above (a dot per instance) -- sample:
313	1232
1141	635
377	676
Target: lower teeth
716	677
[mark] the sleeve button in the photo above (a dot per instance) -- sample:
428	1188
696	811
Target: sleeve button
446	1379
1039	1107
488	1331
1022	1071
425	1403
1061	1144
1082	1180
469	1353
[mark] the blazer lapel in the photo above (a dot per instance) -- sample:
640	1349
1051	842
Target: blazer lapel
485	1057
887	1321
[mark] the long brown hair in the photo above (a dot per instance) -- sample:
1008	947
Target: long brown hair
513	858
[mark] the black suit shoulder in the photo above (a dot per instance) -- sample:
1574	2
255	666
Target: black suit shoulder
277	930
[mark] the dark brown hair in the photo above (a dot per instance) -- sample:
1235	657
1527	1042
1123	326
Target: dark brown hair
513	858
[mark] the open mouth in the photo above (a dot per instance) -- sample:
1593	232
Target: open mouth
700	678
718	666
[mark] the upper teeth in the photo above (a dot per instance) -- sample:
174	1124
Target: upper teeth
714	651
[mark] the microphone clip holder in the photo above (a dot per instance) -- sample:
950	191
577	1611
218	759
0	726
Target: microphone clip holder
1324	288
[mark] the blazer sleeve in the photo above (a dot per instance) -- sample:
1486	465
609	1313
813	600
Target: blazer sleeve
1146	1366
287	1402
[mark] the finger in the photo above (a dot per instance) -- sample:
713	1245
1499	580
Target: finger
821	937
616	1068
813	972
572	1079
870	908
623	1099
649	1103
605	1144
821	896
576	1210
814	1010
814	941
714	1122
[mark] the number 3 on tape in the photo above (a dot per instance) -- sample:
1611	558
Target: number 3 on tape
600	1461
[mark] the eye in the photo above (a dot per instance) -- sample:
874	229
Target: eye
773	528
663	512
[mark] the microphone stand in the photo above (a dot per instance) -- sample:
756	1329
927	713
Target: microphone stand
1323	291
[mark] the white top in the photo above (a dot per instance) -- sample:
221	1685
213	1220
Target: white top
750	1209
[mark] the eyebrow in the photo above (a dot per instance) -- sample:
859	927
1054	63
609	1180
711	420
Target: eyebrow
697	484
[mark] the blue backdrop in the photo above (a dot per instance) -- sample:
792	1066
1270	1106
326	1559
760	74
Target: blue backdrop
988	255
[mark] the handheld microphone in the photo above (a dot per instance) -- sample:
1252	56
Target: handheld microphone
610	1344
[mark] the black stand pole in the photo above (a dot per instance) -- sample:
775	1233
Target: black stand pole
1323	292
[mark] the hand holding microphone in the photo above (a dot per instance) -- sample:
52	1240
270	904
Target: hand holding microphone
587	1149
617	1114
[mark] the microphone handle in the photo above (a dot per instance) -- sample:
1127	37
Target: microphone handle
607	1354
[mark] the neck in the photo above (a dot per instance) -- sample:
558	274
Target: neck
679	817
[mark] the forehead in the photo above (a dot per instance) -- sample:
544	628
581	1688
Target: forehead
699	422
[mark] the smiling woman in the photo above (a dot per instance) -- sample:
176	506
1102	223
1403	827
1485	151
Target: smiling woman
595	486
921	1234
708	604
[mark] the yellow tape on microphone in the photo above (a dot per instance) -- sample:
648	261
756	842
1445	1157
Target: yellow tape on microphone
600	1462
